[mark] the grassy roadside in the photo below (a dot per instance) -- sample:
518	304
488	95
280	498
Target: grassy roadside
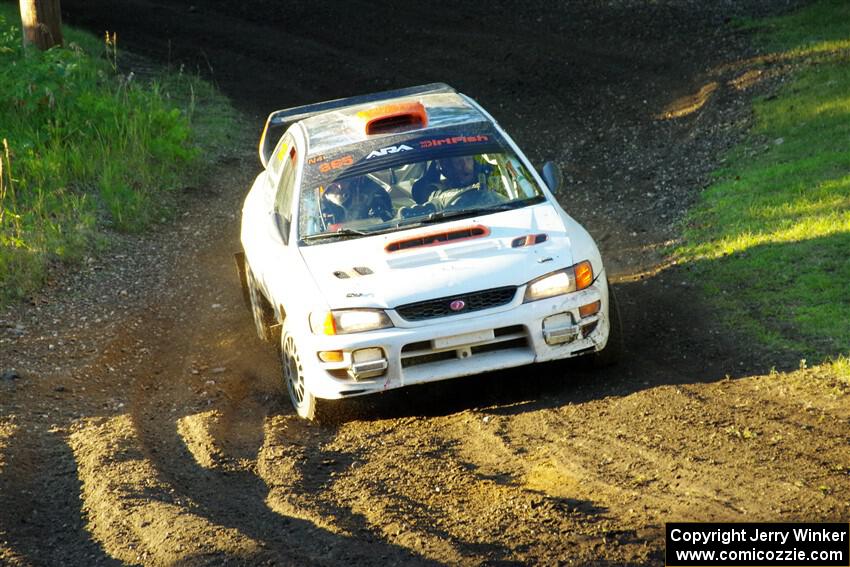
770	239
86	149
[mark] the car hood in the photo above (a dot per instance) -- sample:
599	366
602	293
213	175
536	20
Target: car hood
361	272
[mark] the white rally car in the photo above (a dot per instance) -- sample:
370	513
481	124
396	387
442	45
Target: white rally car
402	237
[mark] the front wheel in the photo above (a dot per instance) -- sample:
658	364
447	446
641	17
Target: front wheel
305	403
613	351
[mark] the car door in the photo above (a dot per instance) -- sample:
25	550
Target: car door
266	226
280	252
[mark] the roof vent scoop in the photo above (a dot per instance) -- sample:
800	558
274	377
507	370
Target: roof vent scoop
397	117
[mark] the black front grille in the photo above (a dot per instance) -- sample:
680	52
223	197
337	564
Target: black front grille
475	301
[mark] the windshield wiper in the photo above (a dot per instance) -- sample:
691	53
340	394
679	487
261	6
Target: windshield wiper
439	216
341	233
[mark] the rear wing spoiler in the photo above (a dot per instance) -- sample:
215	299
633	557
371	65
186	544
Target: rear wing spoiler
279	121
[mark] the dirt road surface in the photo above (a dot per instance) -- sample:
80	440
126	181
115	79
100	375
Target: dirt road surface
142	423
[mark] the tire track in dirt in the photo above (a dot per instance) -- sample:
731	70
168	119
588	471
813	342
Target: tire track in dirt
43	524
684	460
413	482
138	518
8	555
40	484
301	472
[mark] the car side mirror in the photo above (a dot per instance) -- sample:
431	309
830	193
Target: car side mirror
552	176
282	226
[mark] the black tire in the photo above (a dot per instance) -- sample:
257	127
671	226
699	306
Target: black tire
241	266
614	348
306	405
262	312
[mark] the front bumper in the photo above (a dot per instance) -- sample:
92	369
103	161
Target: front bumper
513	335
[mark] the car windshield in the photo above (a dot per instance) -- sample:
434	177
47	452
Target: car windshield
403	195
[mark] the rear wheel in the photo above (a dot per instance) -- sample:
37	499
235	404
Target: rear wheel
305	403
263	313
613	351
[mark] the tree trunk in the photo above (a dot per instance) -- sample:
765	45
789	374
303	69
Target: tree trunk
42	23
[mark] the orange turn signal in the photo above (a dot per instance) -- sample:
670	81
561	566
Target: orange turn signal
329	325
589	309
322	323
330	355
583	275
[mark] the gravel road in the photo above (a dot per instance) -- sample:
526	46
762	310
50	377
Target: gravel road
142	423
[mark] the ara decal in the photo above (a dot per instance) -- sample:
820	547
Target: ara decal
389	150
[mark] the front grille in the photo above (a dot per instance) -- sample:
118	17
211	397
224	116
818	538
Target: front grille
475	301
521	342
427	358
512	342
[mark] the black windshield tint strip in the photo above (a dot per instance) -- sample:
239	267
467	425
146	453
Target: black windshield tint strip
348	161
364	167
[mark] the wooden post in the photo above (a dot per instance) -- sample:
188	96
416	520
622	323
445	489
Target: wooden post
42	23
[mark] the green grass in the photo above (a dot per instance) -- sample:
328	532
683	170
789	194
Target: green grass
820	28
89	149
770	240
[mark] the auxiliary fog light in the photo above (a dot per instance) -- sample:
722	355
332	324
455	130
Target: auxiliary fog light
559	329
367	363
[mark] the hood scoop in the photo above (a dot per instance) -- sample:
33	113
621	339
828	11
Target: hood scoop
438	238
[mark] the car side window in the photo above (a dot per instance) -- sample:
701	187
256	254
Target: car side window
286	187
277	160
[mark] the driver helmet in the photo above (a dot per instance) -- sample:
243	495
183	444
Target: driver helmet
356	198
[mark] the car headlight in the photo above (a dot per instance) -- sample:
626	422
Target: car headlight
574	278
343	321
